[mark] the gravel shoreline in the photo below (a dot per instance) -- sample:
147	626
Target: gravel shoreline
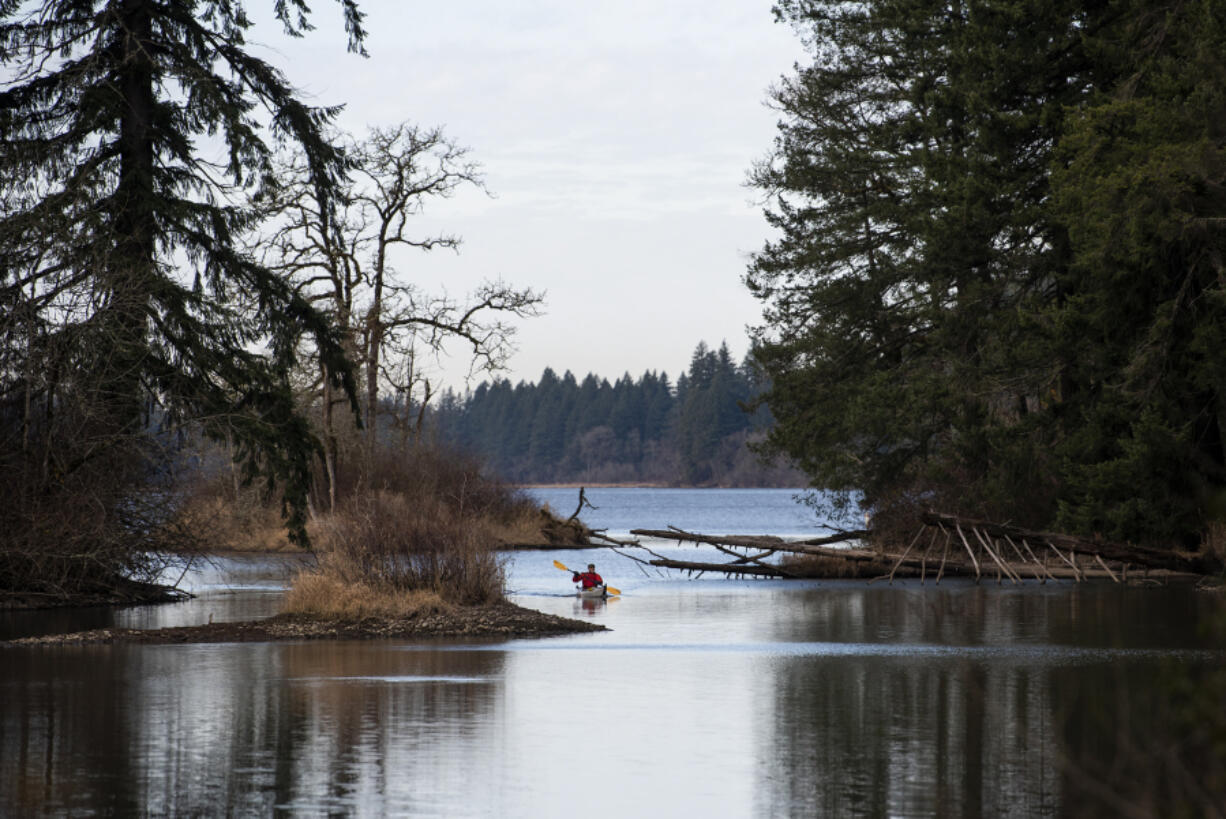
502	620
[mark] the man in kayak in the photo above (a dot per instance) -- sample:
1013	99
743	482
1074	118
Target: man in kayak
589	579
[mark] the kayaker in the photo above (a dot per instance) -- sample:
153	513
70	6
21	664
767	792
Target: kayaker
589	579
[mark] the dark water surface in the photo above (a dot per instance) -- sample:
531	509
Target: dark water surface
708	697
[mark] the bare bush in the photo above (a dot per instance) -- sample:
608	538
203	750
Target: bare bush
393	543
448	477
426	521
93	530
228	516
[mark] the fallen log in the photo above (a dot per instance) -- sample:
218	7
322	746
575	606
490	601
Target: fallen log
838	537
726	568
813	546
990	540
869	561
745	541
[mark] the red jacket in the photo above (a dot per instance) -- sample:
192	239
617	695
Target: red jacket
588	579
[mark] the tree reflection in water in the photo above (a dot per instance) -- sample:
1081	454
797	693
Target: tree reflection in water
309	726
1012	732
1147	742
772	699
879	737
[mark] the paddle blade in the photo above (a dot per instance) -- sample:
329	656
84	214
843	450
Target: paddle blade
612	590
559	565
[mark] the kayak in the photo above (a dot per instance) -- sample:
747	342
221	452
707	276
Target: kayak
593	593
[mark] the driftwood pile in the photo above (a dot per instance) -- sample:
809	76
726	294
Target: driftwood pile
943	545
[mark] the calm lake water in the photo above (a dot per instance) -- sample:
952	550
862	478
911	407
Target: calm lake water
708	697
712	511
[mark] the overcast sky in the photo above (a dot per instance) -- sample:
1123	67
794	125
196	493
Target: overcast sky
615	136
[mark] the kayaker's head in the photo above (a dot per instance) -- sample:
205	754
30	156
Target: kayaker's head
591	567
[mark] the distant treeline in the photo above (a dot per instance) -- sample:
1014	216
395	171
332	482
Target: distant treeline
560	429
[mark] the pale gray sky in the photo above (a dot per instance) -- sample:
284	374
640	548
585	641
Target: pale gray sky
615	135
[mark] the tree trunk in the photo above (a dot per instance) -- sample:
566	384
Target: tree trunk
130	269
374	345
330	445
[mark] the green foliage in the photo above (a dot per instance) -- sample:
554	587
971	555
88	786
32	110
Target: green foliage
129	296
997	282
631	430
907	186
1139	179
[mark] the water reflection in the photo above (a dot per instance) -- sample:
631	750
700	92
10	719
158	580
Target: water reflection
890	737
1067	715
589	608
209	730
1145	740
714	698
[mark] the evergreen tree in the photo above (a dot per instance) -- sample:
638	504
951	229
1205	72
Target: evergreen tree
910	189
698	417
121	242
548	421
660	404
1141	181
626	414
630	430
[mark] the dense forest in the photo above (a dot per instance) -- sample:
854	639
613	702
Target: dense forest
998	283
694	432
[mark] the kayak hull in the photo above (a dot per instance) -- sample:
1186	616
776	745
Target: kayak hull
594	593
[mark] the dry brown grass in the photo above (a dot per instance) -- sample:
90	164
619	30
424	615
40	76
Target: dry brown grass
523	525
415	528
1213	542
449	483
225	524
322	593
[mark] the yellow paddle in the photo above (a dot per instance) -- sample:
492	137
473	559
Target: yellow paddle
607	587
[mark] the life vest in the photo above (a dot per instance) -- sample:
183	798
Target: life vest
588	579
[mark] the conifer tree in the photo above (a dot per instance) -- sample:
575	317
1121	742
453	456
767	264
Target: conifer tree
1141	180
120	238
909	185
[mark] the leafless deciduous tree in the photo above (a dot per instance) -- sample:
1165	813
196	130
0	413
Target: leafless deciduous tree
348	261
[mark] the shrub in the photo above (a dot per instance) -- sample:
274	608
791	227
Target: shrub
394	543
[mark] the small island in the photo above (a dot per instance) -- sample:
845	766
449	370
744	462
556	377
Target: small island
494	621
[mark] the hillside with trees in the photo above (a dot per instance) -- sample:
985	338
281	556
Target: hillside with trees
997	286
695	432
